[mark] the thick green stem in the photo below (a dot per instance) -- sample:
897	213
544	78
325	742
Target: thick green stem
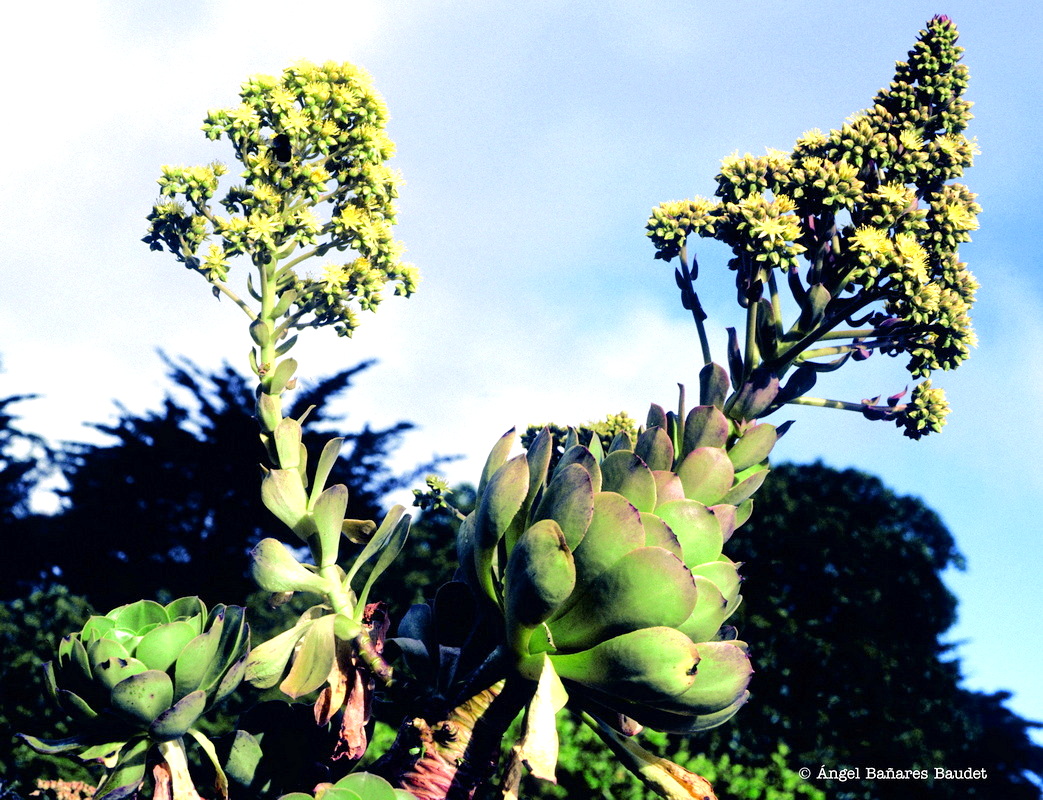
821	402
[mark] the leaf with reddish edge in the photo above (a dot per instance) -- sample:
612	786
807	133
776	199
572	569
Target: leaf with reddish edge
706	474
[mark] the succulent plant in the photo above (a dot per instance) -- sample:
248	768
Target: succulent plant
139	678
357	786
609	571
862	225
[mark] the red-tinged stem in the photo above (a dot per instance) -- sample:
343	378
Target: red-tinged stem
450	758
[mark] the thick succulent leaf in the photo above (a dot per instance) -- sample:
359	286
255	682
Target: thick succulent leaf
288	443
626	473
189	609
578	454
328	516
75	706
160	647
276	569
72	656
282	492
96	627
621	441
125	778
467	570
49	680
540	575
417	623
656	418
497	458
144	696
720	680
614	530
708	614
501	500
646	588
726	518
658	534
114	670
267	662
655	448
104	650
713	385
538	459
194	667
388	553
647	665
176	720
745	488
743	512
281	376
667	486
140	616
206	658
595	448
367	786
695	527
725	575
669	722
313	660
569	501
54	747
377	542
706	426
230	680
327	460
243	758
754	446
706	474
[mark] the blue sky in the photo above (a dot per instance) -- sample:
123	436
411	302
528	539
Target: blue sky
534	139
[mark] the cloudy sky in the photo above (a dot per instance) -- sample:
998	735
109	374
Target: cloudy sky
534	139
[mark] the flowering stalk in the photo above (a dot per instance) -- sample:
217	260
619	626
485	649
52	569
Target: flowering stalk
862	226
313	149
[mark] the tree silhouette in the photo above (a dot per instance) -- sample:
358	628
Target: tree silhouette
172	506
25	459
845	610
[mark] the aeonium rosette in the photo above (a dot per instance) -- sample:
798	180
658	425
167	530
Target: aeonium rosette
136	681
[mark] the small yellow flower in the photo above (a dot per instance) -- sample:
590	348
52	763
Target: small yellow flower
911	139
297	121
895	194
913	258
283	99
959	216
873	241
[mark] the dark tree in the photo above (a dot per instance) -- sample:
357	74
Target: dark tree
173	506
24	460
845	611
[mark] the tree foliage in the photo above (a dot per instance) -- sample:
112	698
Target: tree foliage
845	601
171	504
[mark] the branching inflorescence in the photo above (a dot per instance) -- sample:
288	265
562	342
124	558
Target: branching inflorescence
314	149
862	225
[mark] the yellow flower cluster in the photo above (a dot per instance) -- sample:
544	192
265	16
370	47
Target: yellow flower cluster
313	147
